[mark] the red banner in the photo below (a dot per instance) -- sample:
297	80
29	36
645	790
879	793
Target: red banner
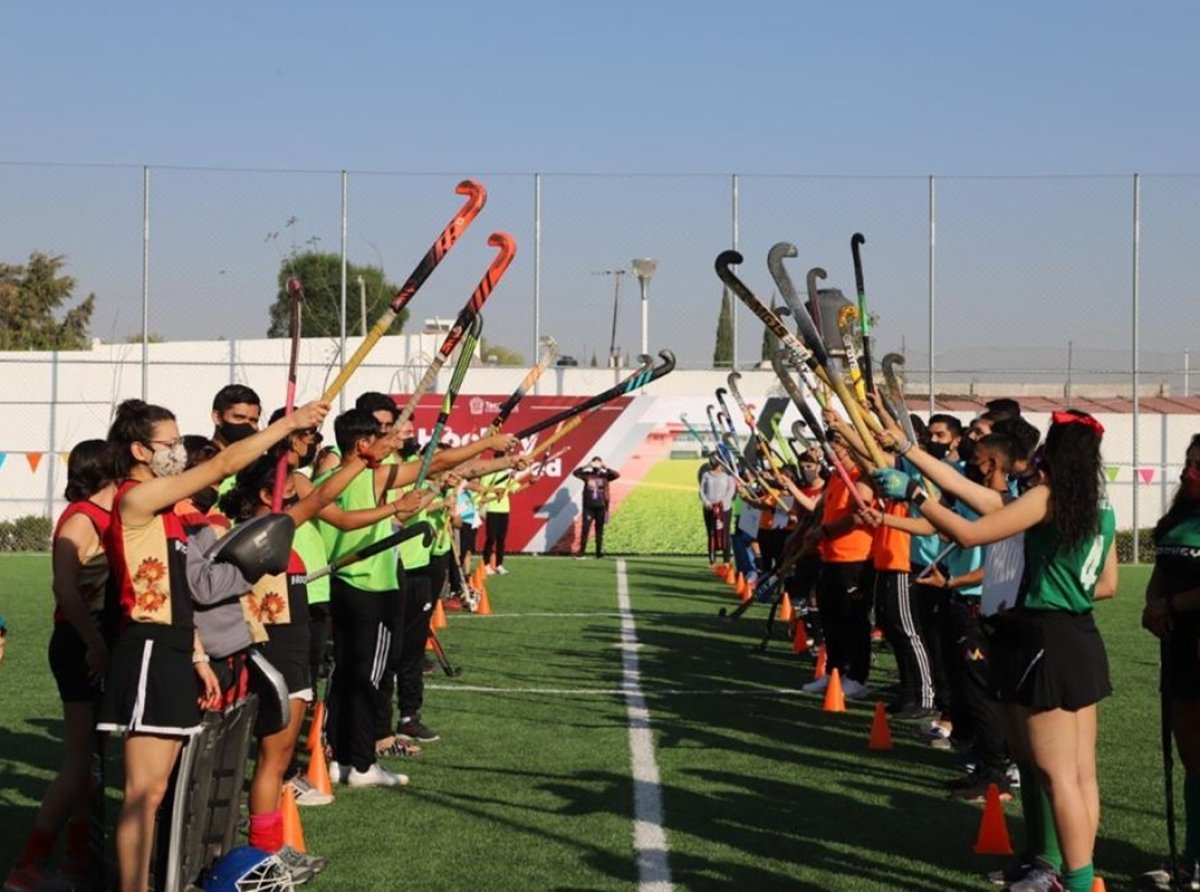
532	507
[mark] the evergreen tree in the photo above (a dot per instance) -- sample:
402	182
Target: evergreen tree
29	297
723	351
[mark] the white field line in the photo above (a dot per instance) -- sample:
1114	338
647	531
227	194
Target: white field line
620	692
550	614
649	835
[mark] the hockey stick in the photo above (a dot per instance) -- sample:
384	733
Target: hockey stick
806	412
476	198
894	389
856	242
401	535
818	358
443	660
456	381
1168	753
495	272
638	380
845	322
549	351
764	445
296	293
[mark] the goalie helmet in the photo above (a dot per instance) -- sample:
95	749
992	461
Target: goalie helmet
248	869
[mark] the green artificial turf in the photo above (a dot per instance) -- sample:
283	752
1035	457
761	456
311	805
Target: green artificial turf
532	790
661	515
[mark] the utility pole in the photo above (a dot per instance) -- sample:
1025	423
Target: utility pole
613	357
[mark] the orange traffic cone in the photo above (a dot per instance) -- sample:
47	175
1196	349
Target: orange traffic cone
786	612
819	668
800	643
485	606
731	574
438	620
316	726
881	733
429	643
293	832
318	771
835	700
1098	885
993	831
719	570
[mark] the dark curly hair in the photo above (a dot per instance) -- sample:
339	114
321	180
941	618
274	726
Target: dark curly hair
241	502
89	469
1076	479
1181	506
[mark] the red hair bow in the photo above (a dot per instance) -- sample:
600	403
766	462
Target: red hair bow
1073	418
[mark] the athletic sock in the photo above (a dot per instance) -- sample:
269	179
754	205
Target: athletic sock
1049	846
79	835
38	845
1080	879
266	831
1191	812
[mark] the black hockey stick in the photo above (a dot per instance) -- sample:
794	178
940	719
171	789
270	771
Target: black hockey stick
856	242
1168	753
637	381
296	293
443	660
549	351
401	535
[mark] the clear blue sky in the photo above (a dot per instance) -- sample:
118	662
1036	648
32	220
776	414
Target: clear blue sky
867	88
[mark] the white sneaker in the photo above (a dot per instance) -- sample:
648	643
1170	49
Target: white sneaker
502	570
376	776
338	774
818	686
488	571
306	794
854	690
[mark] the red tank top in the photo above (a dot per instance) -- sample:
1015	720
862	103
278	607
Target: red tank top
93	575
149	568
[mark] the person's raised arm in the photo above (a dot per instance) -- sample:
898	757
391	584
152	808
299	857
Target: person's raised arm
311	504
981	499
145	500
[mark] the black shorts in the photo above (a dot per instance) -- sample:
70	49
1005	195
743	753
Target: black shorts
151	687
1047	659
1181	659
69	667
287	650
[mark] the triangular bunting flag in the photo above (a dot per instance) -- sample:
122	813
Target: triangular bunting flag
3	457
1147	474
34	459
1111	473
65	456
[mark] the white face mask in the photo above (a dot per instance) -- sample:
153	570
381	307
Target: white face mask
169	462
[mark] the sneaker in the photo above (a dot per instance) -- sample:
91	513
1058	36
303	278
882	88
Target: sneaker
306	794
581	557
25	879
405	749
376	776
339	774
818	686
1041	878
1186	876
934	731
412	729
1012	776
502	570
854	690
299	866
488	571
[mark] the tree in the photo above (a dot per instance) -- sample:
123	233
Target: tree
723	351
321	275
29	297
503	355
770	343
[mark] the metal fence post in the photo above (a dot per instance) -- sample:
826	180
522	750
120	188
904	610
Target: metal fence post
145	283
342	292
1137	269
537	268
735	206
932	287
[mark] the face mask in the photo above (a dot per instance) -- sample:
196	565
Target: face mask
205	499
231	433
290	501
966	448
809	475
1189	482
408	447
938	450
308	458
168	462
974	473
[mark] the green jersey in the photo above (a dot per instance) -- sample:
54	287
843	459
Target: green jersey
498	479
1062	579
311	548
441	531
376	573
414	554
1177	556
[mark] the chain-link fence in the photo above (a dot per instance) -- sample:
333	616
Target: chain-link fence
1069	287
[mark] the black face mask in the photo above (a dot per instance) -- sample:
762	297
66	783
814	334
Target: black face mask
966	448
231	433
409	447
205	499
938	450
974	473
290	501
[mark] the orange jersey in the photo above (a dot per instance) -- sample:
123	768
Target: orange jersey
891	548
852	545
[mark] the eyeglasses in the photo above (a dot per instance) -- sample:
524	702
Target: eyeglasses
170	444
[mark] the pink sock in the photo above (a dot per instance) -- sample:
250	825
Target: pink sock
266	831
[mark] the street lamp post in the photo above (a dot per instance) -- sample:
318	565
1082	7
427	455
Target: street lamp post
643	268
362	303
